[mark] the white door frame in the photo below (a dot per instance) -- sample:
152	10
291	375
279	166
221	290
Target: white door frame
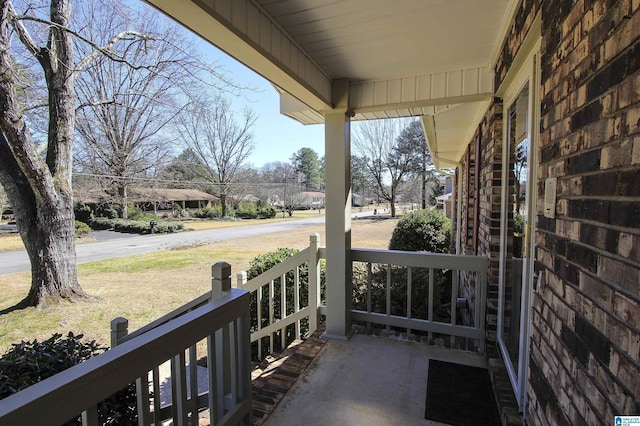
528	73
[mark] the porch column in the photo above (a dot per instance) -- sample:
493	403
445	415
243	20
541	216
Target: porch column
338	213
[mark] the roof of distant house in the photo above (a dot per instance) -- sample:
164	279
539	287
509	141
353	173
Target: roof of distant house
145	194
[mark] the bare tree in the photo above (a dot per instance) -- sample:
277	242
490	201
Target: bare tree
126	105
389	161
39	187
208	127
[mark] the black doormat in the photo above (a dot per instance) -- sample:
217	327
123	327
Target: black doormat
460	395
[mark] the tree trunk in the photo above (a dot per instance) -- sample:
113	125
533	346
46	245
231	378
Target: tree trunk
50	244
223	203
124	204
47	228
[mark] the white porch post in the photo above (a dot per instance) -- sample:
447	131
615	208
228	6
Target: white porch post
338	213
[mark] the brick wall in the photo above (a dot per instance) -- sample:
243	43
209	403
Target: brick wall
488	218
585	352
584	363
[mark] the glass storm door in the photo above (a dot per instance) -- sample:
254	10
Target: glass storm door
518	214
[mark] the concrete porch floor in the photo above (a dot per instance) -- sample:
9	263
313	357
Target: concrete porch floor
368	380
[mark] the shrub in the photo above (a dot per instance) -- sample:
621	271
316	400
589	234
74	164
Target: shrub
83	212
82	228
246	210
134	213
27	363
422	230
135	227
209	212
106	210
266	213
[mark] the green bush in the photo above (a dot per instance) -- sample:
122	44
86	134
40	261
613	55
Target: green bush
135	227
209	212
27	363
106	211
266	213
82	212
134	213
82	228
422	230
246	210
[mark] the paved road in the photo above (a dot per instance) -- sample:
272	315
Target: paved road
17	261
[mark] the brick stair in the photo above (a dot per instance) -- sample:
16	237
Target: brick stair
273	378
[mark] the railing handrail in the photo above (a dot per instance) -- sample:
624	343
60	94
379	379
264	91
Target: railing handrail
195	303
277	271
65	395
421	259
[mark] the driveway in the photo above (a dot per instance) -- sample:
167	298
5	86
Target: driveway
127	245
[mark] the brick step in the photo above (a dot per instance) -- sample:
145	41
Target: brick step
274	376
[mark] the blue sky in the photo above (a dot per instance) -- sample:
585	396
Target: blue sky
276	136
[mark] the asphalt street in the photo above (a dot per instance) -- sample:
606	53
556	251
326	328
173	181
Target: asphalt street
127	245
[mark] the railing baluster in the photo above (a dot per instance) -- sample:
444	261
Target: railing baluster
179	389
283	310
369	290
215	408
259	299
313	289
409	291
142	399
430	303
244	361
481	306
221	373
388	295
454	304
193	385
157	401
89	417
296	297
271	312
232	395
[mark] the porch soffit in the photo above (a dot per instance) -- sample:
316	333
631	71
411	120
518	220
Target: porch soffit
402	58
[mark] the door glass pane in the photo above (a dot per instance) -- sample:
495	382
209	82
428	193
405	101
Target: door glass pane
516	213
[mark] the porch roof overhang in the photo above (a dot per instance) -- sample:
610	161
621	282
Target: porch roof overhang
430	58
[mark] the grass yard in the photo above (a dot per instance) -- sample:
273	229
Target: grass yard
144	287
11	240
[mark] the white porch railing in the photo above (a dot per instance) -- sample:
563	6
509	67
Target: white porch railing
218	320
472	269
273	286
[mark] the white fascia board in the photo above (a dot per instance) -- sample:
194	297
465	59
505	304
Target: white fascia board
445	88
247	33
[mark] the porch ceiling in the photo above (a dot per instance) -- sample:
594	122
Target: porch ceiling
402	58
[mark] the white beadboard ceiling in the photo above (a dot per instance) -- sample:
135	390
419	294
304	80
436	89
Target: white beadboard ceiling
402	57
